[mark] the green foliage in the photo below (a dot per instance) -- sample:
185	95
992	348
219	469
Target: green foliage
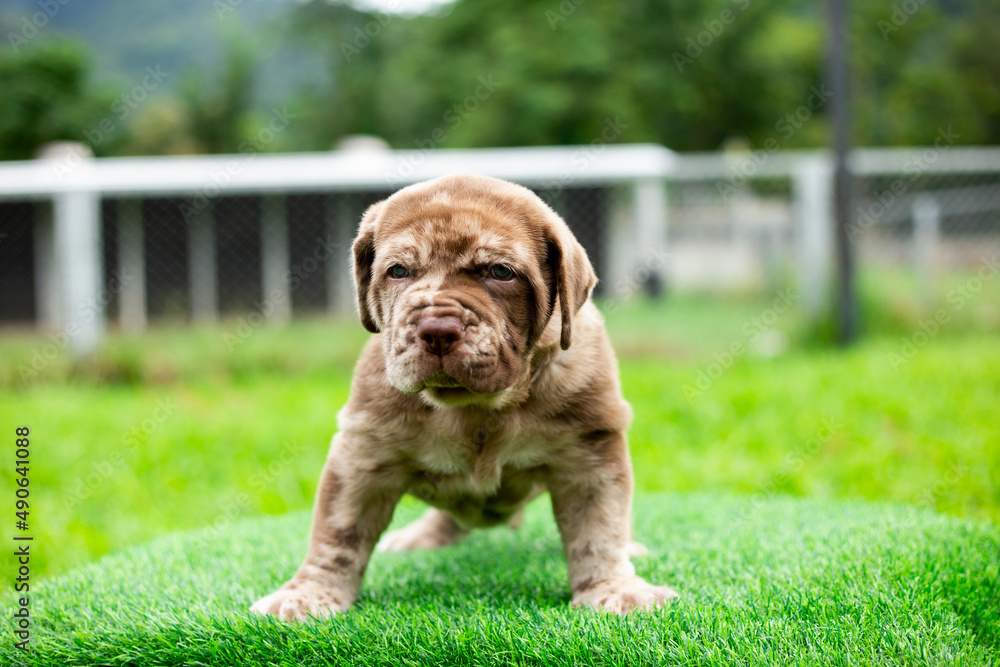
216	111
976	56
561	77
699	75
692	76
917	72
47	95
778	582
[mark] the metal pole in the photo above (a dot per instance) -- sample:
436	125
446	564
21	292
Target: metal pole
132	265
274	251
77	241
812	188
343	215
202	269
651	231
926	236
46	282
846	305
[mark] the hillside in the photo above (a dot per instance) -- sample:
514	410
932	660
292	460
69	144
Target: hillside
125	38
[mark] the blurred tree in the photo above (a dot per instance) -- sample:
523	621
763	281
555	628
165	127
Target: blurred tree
519	72
715	70
692	75
921	68
47	96
344	103
160	128
217	111
977	57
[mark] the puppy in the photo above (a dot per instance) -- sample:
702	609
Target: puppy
489	379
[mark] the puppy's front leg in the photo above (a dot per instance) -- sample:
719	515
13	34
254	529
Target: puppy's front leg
354	504
592	499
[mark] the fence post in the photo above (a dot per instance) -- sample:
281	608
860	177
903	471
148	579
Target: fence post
46	283
926	231
79	266
812	187
636	240
274	251
651	230
343	215
132	265
201	266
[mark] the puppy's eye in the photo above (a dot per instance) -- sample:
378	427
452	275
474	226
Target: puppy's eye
398	271
501	272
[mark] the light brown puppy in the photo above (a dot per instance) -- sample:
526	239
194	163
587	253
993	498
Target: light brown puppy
490	379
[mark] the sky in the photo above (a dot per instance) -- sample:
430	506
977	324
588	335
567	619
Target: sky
400	6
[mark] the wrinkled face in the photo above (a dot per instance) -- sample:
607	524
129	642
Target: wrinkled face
457	306
460	289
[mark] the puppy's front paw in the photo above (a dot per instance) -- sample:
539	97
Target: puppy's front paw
300	601
623	595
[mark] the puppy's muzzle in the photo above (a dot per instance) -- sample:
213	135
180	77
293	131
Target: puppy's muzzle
440	334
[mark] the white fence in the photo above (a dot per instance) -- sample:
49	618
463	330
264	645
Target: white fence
695	221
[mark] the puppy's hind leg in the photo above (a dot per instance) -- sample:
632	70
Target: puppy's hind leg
436	528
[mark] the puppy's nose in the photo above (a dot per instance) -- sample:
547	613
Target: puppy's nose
440	334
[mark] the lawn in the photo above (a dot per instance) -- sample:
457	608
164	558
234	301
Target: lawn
176	430
790	582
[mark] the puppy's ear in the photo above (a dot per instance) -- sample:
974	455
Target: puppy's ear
364	256
572	272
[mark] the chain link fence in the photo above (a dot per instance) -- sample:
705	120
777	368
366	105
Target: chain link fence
17	262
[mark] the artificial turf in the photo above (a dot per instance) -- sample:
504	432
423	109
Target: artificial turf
767	581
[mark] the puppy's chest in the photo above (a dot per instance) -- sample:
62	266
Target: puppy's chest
477	452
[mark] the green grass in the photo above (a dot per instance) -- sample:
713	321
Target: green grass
781	581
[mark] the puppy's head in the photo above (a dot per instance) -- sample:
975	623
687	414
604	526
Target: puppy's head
461	275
